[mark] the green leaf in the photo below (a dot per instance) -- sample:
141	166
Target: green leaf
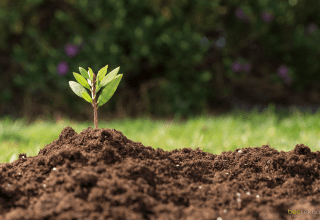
109	77
81	80
86	96
97	82
109	90
90	74
102	72
97	89
84	73
77	88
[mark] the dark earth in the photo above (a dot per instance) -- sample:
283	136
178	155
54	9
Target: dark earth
100	174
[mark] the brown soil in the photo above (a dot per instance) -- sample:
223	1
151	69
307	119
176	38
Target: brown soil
100	174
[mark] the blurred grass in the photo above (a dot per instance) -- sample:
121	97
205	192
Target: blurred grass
213	134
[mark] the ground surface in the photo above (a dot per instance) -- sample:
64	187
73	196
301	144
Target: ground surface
100	174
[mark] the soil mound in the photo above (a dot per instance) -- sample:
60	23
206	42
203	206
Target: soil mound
100	174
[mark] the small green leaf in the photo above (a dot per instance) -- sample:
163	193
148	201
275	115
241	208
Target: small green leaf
109	77
86	96
97	82
97	89
102	72
109	90
77	88
90	74
81	80
84	73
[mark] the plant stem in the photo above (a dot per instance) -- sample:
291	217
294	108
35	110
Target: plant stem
94	102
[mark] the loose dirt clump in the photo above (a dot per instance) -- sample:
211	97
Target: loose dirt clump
100	174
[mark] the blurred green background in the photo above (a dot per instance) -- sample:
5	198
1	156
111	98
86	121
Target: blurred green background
181	60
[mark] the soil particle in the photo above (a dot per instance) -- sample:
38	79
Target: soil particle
100	174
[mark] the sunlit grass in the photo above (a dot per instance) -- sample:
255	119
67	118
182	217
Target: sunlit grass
211	134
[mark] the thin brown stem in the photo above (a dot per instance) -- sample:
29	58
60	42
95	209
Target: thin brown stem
94	102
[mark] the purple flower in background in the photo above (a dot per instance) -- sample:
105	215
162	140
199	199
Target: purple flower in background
63	68
239	67
236	67
240	14
220	43
283	71
312	28
71	50
266	16
246	67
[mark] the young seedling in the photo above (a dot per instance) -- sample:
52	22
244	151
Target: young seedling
94	83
